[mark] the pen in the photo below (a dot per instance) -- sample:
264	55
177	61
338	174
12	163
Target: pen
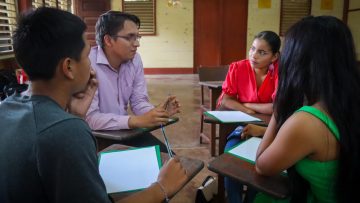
163	132
166	142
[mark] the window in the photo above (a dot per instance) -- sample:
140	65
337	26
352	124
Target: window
291	12
8	12
145	10
60	4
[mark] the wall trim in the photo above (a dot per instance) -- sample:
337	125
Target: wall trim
152	71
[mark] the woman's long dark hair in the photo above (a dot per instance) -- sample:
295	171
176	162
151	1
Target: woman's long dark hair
318	63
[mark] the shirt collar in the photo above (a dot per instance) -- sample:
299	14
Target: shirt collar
101	58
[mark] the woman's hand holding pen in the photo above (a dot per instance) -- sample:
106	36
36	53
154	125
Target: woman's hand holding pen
172	176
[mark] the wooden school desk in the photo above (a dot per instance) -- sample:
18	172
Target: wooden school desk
215	88
228	165
106	138
192	166
226	128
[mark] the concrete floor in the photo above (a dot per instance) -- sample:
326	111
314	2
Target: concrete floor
183	135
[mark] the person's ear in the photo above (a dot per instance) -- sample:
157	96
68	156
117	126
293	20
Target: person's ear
67	68
107	40
275	57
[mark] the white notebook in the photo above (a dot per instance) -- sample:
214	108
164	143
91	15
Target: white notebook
231	116
246	149
129	170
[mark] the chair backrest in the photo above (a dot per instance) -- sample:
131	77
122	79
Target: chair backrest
213	73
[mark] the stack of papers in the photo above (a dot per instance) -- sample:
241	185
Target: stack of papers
130	170
231	116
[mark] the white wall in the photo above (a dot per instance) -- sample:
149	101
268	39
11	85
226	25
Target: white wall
173	44
337	11
260	19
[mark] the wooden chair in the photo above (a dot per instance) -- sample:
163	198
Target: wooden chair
212	78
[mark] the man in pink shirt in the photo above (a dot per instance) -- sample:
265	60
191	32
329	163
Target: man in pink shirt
120	73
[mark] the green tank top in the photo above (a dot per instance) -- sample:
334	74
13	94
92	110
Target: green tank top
320	175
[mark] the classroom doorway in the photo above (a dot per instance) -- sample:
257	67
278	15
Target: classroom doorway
220	30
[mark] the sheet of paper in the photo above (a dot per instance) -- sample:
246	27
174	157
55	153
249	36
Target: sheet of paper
231	116
129	170
247	149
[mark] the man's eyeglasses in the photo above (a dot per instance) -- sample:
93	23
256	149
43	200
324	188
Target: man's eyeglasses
129	38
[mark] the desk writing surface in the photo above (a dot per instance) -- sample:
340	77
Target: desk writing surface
212	84
192	166
243	171
105	138
231	116
125	134
226	128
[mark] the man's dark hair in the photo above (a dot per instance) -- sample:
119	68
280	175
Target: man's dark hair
44	37
111	22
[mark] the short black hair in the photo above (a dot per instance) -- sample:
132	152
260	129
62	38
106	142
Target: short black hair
111	22
45	36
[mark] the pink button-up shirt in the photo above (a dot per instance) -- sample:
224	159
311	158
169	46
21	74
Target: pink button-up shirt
108	110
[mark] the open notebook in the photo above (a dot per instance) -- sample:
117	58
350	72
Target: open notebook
231	116
129	170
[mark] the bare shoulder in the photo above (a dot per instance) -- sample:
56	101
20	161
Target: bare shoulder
304	128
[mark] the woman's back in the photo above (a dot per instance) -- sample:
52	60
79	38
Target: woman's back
321	175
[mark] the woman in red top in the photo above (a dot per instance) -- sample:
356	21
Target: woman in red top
250	85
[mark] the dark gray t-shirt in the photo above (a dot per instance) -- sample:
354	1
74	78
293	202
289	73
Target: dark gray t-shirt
46	154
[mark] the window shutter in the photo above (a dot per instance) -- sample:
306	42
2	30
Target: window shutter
65	5
50	3
8	12
37	3
293	11
60	4
145	10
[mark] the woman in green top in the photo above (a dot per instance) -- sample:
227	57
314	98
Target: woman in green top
315	130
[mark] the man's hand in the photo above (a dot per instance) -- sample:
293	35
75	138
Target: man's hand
171	105
155	117
80	102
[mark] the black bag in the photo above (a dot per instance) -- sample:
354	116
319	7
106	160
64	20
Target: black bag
7	77
208	189
9	84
